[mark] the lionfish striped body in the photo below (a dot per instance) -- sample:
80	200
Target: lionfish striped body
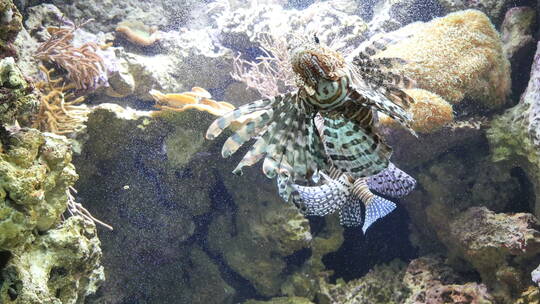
341	192
345	94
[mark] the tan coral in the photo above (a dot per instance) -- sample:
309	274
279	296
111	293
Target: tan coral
60	111
430	112
456	56
138	33
197	98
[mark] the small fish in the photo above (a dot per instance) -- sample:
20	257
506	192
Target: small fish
345	94
342	192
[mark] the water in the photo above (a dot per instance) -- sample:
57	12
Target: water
104	118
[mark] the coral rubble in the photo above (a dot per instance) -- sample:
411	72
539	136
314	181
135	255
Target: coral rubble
10	26
18	99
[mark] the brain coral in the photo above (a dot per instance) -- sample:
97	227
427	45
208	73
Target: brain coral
456	56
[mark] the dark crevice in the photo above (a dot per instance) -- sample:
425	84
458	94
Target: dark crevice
525	200
296	260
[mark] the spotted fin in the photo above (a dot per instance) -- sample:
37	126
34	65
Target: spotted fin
350	215
353	149
377	208
325	199
392	182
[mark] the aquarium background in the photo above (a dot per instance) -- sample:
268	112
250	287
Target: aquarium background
104	106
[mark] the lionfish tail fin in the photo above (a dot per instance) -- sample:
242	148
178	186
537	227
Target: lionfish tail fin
392	182
322	200
377	209
350	215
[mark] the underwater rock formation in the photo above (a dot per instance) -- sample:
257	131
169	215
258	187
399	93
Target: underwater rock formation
35	171
46	260
514	136
479	67
502	247
61	266
18	99
10	26
495	9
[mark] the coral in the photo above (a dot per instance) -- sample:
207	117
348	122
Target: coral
433	282
138	33
430	112
18	100
493	8
60	111
35	171
10	26
497	246
60	266
383	284
479	68
198	99
85	68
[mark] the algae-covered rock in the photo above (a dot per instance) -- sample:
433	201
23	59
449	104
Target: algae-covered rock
263	232
17	98
468	40
382	285
431	281
10	26
35	172
60	266
282	300
493	8
502	247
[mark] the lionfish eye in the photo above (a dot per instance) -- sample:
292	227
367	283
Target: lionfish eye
317	41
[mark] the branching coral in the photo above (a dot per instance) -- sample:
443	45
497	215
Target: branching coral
83	65
272	73
198	99
60	111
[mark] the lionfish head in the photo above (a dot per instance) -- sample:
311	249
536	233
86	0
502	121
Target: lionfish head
312	61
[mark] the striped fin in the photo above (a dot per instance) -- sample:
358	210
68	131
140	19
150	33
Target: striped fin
246	132
355	150
379	43
225	121
377	208
325	199
392	182
383	104
350	215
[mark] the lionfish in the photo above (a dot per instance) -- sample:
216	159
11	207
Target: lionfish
340	191
344	93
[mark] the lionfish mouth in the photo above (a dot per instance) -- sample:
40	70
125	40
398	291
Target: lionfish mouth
316	62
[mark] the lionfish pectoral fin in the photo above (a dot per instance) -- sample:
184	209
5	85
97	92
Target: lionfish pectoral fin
322	200
350	215
377	209
353	149
392	182
383	104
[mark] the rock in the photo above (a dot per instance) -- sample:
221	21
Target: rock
535	275
500	247
390	15
264	230
35	172
479	70
431	281
494	9
282	300
18	101
10	26
518	43
383	284
514	137
61	266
